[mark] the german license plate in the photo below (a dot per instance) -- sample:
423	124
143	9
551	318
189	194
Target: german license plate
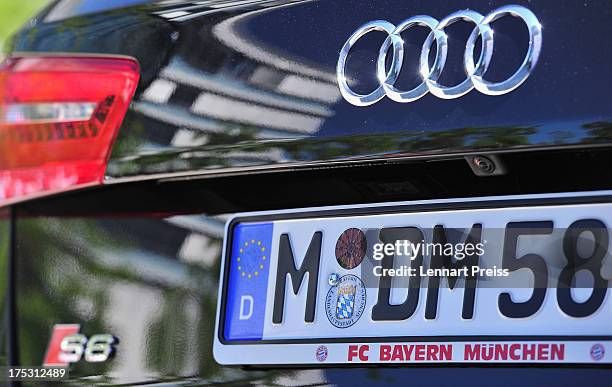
520	279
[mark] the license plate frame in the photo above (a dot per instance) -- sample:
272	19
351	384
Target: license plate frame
580	349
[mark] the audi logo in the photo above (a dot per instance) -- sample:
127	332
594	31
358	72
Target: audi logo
475	72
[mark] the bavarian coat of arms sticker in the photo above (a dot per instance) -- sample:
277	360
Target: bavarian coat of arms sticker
345	302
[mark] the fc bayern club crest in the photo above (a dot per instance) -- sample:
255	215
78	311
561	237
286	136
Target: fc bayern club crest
597	352
346	301
321	353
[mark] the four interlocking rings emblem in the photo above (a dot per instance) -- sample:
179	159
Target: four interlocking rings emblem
474	71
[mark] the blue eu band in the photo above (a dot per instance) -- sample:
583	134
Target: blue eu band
247	286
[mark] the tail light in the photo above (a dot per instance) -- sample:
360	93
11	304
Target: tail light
59	117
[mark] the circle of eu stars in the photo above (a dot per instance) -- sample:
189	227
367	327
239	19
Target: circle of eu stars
251	259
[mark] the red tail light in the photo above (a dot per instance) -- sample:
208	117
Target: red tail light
59	117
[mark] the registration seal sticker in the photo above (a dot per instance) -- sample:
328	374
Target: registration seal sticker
346	301
351	248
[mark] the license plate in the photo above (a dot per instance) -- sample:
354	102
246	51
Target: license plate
520	279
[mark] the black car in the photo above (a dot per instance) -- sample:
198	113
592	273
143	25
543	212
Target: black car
303	192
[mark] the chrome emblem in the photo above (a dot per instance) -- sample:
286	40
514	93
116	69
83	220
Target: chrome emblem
474	71
67	345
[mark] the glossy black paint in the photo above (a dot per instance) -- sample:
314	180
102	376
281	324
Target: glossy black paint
153	282
140	259
253	84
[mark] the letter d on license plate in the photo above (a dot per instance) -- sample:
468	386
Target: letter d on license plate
520	279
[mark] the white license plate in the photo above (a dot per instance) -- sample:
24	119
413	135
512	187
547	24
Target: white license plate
307	286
